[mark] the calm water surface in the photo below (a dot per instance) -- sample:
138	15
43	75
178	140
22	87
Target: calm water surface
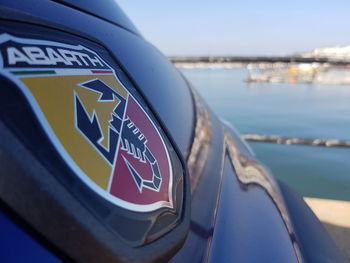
297	110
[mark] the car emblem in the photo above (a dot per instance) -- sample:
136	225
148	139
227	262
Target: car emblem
100	129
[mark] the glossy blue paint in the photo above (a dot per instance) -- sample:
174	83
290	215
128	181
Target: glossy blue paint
248	226
204	199
224	225
108	11
18	246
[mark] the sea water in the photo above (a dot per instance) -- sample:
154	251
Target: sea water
293	110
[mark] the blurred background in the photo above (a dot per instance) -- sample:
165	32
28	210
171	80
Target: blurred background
277	68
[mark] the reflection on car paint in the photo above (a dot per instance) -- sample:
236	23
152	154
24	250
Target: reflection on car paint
248	171
251	172
201	142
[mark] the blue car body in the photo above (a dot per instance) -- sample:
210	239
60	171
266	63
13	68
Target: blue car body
227	206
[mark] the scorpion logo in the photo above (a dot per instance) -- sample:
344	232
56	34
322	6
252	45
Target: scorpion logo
99	117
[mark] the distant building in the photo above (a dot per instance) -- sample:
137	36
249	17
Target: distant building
336	52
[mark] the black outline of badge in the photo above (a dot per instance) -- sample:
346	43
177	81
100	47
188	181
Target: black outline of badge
4	37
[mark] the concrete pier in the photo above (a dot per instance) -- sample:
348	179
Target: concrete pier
335	216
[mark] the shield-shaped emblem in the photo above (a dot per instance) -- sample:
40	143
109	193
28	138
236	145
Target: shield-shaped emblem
99	128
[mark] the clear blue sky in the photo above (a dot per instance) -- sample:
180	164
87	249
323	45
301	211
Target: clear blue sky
240	27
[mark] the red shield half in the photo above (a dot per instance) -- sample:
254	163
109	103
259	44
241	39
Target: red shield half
142	175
